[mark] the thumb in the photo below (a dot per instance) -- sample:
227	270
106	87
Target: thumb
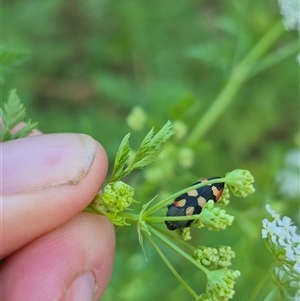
46	180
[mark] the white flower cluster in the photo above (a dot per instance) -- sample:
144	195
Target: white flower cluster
290	10
284	244
281	234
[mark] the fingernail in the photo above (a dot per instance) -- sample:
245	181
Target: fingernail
82	288
45	161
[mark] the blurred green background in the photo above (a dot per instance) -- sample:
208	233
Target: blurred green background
82	66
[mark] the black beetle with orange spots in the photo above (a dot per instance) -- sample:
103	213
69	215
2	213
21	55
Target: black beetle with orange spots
192	202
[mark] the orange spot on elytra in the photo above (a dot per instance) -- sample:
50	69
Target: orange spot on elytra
201	201
189	211
193	192
180	203
216	192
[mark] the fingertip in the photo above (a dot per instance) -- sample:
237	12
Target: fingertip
45	161
58	264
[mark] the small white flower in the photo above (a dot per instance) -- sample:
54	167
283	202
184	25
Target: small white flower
273	213
288	230
295	240
289	253
264	231
280	231
285	222
284	244
297	265
269	230
297	248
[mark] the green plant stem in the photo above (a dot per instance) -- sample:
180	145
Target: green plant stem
272	294
90	210
169	265
275	57
132	217
238	76
176	238
162	219
177	249
264	44
260	283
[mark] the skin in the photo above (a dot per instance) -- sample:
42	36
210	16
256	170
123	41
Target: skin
50	249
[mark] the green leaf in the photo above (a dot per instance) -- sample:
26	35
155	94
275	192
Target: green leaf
121	159
13	113
147	152
142	226
143	148
151	147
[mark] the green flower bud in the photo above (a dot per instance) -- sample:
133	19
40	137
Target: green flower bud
198	224
180	129
203	297
220	284
116	219
116	197
214	218
137	118
186	157
240	182
225	255
219	257
224	199
186	233
206	256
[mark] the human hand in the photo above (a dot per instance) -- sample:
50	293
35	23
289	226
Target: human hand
52	250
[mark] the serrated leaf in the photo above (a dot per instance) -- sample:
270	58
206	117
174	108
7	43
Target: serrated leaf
148	152
26	130
144	146
141	241
121	159
13	113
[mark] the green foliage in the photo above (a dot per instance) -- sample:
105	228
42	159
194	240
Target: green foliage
12	114
91	61
121	159
147	152
116	197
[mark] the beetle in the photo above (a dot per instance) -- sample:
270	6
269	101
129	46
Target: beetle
192	201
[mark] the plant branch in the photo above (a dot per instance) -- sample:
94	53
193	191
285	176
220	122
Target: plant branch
238	76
